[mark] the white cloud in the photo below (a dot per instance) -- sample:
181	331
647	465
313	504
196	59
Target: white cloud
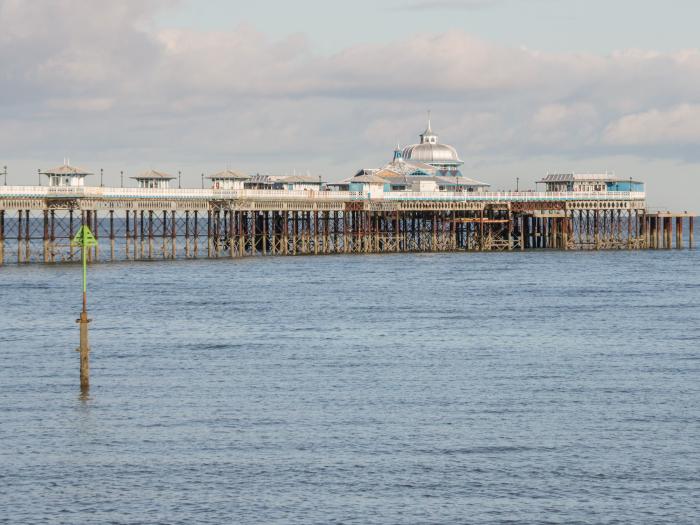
130	90
679	125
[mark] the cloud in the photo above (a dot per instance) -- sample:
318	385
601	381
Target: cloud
130	90
679	125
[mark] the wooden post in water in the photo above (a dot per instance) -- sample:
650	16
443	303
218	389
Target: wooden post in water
691	233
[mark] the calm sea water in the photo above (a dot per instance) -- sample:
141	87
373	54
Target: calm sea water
449	388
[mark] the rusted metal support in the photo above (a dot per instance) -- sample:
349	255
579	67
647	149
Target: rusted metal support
150	234
209	233
196	233
2	237
70	233
173	235
87	221
111	235
164	236
127	233
46	236
679	233
691	233
187	234
142	232
27	237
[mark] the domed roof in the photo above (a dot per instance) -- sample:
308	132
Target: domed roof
430	151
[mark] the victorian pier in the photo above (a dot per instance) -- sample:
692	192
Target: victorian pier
37	223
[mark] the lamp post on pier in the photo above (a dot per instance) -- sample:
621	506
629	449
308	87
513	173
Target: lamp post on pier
38	172
517	184
5	173
121	178
202	180
102	172
179	179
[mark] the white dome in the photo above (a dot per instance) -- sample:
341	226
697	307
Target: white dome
430	151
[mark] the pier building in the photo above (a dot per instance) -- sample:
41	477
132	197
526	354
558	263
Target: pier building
229	180
589	182
66	176
153	179
426	166
284	182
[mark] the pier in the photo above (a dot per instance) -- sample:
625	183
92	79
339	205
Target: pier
38	222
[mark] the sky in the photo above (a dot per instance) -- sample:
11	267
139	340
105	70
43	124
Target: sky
520	87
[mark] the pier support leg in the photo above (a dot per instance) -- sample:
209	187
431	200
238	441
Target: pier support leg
111	235
27	238
209	233
70	234
691	233
96	233
196	233
127	234
150	234
19	236
2	237
46	236
173	235
187	234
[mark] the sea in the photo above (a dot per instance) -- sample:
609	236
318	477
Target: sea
485	388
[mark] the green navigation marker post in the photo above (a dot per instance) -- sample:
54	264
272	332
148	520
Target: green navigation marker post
85	240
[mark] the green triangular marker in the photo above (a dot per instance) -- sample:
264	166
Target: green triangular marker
84	238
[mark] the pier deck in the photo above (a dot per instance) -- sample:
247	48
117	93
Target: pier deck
37	222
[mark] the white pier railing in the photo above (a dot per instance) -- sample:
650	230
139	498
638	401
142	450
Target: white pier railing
211	194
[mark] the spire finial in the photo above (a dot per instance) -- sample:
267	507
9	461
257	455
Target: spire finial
429	128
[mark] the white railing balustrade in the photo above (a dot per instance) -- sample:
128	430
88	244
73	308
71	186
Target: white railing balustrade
209	193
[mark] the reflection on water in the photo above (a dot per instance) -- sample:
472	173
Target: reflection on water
483	388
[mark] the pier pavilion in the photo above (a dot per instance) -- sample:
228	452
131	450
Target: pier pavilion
66	176
153	179
229	180
589	182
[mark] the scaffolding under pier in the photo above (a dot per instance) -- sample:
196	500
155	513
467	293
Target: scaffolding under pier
37	223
